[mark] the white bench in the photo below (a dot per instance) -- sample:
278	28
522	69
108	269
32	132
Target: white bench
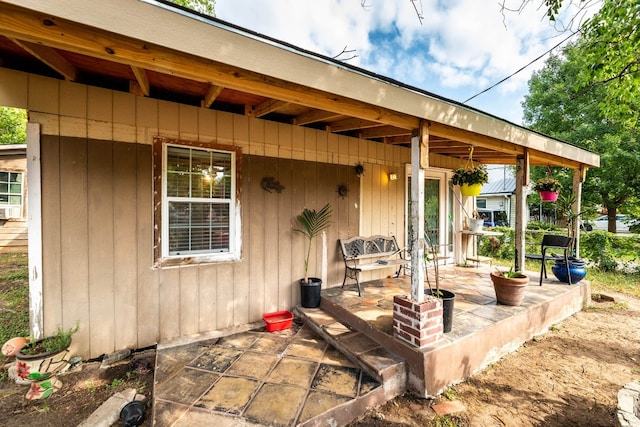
370	253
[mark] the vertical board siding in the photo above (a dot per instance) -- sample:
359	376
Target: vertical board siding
51	233
125	257
74	249
98	214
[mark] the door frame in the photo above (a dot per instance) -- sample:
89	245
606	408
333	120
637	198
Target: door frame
445	209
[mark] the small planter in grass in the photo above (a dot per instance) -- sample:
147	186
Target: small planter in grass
38	362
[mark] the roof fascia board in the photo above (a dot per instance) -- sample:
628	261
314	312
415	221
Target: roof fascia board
192	35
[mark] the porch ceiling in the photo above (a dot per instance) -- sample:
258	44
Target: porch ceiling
45	42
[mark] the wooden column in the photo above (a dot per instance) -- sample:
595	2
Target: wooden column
34	221
578	179
419	160
522	180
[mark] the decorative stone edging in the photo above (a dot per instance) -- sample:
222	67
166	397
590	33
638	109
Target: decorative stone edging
628	411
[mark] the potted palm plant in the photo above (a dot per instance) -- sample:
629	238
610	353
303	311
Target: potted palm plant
548	187
311	223
470	179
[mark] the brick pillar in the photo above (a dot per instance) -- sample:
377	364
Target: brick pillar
419	324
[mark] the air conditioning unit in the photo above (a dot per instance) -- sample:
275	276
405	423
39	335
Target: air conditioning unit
7	212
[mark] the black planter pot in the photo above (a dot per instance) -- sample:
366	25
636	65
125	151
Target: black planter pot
576	268
448	299
310	292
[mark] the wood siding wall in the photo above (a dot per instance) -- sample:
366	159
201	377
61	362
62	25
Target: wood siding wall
97	212
13	236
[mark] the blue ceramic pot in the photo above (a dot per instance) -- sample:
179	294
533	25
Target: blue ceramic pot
576	267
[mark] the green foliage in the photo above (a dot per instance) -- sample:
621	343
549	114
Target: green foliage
596	246
51	344
541	225
312	223
14	297
558	106
13	125
207	7
510	274
476	175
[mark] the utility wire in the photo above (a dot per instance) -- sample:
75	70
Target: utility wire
513	74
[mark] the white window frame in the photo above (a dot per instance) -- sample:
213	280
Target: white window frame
233	252
15	209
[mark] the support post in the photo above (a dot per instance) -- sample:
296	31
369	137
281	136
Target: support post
34	226
522	179
419	158
578	179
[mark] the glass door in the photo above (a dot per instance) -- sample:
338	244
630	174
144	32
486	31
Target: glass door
436	227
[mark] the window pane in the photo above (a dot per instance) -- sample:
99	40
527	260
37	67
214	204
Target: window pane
15	177
4	187
4	176
15	200
222	181
178	161
4	199
15	189
178	184
198	227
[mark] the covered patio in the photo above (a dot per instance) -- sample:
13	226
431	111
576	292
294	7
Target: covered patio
343	358
114	103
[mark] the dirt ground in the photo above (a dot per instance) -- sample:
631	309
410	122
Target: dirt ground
569	376
83	391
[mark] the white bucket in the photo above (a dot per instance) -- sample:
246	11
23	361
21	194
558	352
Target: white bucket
475	225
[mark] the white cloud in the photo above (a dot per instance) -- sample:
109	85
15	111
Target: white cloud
461	47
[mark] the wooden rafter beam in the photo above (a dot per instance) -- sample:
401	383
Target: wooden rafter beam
142	79
212	93
61	34
314	116
384	131
268	106
352	124
50	57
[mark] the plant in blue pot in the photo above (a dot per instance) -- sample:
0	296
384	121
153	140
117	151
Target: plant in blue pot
575	273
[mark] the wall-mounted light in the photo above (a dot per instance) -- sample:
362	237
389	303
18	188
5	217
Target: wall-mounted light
393	176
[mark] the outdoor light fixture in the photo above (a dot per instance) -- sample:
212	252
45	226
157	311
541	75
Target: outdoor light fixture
393	176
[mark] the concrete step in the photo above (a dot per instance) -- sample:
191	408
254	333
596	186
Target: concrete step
370	356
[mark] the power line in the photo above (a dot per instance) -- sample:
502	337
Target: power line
513	74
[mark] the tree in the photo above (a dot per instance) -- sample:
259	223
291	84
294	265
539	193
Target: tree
13	125
610	43
558	107
206	7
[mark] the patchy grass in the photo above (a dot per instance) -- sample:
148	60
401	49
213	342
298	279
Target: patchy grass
14	297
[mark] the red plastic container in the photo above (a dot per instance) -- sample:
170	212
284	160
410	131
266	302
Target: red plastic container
278	321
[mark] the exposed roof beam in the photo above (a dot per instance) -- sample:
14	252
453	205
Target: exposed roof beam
142	79
383	131
50	57
28	25
268	106
212	93
313	116
351	124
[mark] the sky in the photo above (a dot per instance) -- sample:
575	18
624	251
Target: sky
460	48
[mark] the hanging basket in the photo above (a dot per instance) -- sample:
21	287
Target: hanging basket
470	190
548	196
